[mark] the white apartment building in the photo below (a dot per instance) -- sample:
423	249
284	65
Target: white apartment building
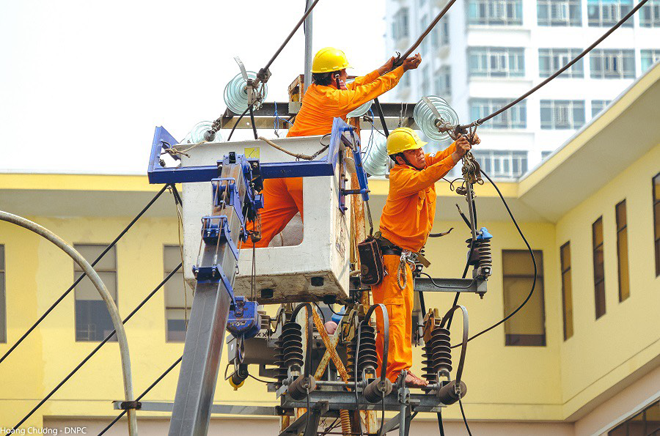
485	53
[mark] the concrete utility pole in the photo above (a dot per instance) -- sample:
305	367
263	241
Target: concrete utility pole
308	46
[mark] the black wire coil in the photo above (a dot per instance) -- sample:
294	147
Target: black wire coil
437	354
483	253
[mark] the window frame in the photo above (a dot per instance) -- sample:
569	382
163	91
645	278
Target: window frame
604	64
652	20
597	232
570	20
614	12
496	62
623	254
656	220
526	340
554	56
514	118
483	13
563	108
169	338
102	271
566	291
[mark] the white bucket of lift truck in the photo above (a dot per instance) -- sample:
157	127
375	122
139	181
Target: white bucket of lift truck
303	267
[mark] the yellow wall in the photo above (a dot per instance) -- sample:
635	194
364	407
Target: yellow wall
602	352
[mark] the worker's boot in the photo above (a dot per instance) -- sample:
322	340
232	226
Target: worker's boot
412	381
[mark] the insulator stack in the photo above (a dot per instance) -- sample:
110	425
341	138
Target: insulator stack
483	251
367	358
437	354
279	361
292	351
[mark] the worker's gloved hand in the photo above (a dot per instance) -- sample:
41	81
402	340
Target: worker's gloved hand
462	147
412	62
387	66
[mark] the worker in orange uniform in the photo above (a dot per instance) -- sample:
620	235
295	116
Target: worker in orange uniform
327	98
405	225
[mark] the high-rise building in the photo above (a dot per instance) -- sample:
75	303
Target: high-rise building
485	53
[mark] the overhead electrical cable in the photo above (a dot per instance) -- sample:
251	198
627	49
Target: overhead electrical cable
83	275
146	391
98	347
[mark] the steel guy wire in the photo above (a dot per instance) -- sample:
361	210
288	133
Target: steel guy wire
112	244
98	347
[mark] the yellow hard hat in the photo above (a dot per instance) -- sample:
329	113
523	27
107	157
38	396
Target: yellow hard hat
329	59
402	139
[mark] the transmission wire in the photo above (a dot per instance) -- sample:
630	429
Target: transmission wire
112	244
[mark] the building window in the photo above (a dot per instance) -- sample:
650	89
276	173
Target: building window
440	33
599	266
400	24
178	295
426	80
645	423
566	289
527	328
656	220
496	62
3	308
649	15
649	58
502	163
545	154
443	82
612	64
93	322
597	106
495	12
514	118
425	45
559	13
622	250
606	13
562	114
552	59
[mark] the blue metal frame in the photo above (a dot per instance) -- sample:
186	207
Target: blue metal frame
274	170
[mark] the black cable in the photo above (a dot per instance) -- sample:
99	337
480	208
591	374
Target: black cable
322	314
112	244
382	117
238	121
440	426
254	125
98	347
531	253
162	376
561	70
467	427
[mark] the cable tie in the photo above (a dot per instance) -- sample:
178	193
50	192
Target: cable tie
130	405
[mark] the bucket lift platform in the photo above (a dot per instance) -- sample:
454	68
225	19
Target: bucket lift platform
319	266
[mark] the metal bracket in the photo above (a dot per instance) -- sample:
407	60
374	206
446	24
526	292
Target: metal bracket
212	234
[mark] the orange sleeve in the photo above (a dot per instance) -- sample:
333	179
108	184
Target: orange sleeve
347	100
431	159
363	80
407	181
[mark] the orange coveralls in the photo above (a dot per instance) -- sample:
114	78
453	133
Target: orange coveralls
283	198
406	221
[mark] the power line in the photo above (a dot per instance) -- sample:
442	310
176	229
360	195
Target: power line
162	376
98	347
112	244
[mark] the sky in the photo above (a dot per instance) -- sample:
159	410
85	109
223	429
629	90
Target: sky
83	83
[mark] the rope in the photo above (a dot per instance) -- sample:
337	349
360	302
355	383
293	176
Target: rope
83	275
296	155
98	347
